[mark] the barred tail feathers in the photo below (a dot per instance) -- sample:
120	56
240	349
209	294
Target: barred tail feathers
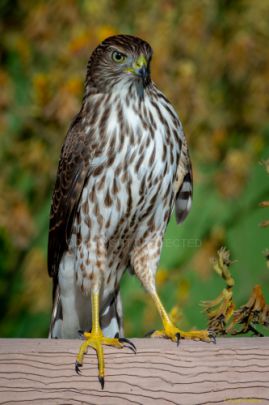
184	198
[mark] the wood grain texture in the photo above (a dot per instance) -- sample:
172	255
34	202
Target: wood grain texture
40	371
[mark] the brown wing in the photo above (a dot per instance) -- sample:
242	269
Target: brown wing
183	185
72	173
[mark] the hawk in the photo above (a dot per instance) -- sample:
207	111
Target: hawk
124	166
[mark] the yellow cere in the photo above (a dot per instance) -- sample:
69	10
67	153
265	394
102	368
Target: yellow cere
138	64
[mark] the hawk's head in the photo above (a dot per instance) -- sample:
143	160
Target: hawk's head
119	60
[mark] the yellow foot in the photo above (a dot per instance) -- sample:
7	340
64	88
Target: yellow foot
96	341
175	334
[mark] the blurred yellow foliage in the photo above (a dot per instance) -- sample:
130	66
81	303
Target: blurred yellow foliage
161	277
41	83
182	291
105	31
15	217
175	315
233	177
79	42
37	284
210	246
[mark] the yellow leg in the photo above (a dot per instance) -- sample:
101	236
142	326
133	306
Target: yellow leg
170	331
96	340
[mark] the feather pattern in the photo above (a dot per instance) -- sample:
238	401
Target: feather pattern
124	165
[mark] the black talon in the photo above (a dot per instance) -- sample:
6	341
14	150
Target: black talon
77	367
132	346
149	333
212	336
81	333
178	338
101	381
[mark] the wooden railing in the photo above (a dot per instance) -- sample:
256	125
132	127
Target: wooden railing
40	371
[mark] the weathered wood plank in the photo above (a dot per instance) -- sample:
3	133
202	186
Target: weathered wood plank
234	371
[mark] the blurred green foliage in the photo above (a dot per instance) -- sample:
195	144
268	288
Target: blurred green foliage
211	59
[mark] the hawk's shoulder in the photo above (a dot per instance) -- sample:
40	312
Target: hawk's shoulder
71	175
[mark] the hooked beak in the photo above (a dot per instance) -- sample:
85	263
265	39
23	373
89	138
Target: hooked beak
140	68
